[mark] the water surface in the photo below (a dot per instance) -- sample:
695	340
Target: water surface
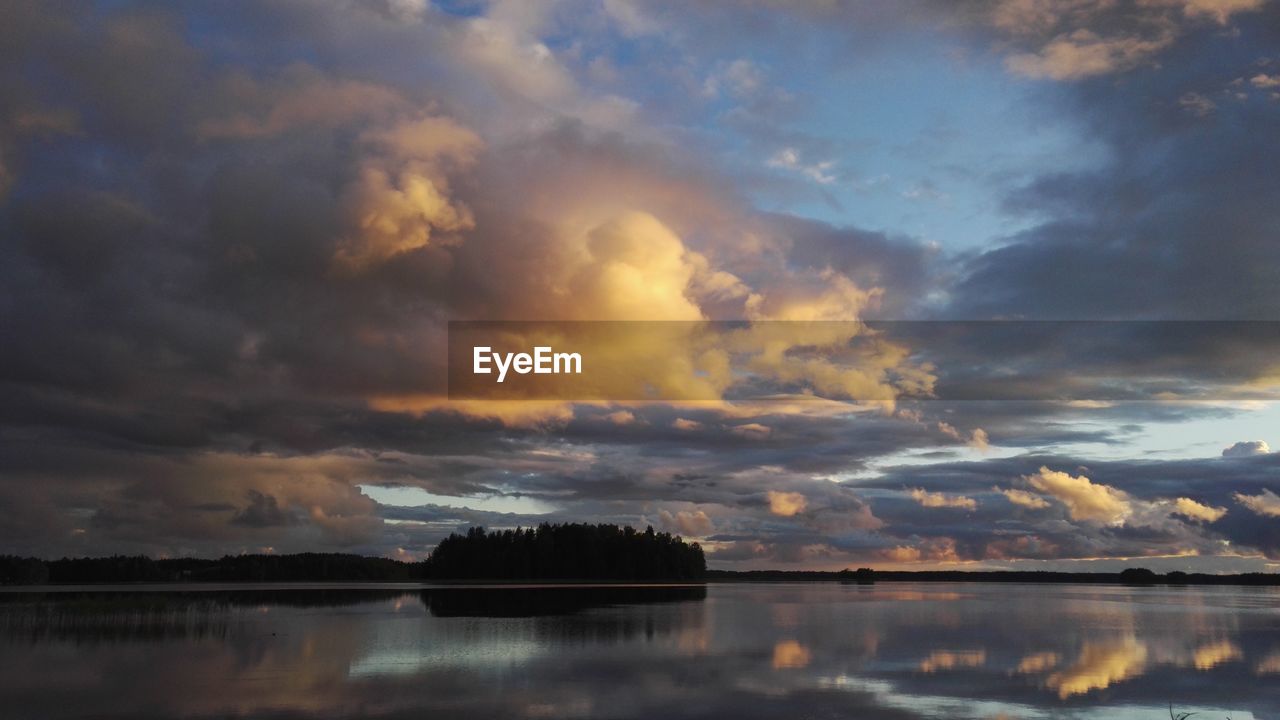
804	650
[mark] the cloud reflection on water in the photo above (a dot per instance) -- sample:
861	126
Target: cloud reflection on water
727	651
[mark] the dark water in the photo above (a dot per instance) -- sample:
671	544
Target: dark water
727	651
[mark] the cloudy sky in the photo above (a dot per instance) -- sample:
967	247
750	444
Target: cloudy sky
233	234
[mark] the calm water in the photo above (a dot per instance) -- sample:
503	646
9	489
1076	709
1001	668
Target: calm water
726	651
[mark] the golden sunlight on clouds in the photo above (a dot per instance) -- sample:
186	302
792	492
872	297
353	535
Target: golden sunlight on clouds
1264	503
633	266
1024	498
937	550
1219	10
1084	53
952	660
1085	500
790	654
636	269
786	504
400	200
978	439
1100	665
1212	655
1193	510
902	554
940	500
754	431
1038	663
512	413
693	523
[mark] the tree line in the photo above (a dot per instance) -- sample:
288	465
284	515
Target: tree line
569	551
301	567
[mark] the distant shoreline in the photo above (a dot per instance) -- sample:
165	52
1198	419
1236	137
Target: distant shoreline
1133	576
475	569
714	577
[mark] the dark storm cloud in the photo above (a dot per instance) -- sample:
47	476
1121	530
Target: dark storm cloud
1179	224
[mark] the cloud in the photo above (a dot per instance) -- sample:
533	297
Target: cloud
1247	448
933	550
902	554
1219	10
1083	53
1264	503
690	523
787	504
1077	39
400	199
979	439
752	430
1193	510
300	98
621	417
1024	499
940	500
789	159
228	279
1084	499
1196	104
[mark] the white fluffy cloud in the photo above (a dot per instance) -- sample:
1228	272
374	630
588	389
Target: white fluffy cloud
1247	448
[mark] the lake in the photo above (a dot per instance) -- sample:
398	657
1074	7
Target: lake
786	650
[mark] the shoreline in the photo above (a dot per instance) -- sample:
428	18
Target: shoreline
718	578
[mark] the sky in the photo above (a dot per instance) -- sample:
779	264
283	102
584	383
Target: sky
233	236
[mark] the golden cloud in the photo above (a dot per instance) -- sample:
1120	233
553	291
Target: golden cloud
787	504
1264	503
1023	498
400	200
940	500
1085	500
1193	510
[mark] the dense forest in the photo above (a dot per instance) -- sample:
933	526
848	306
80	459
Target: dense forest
569	551
548	552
